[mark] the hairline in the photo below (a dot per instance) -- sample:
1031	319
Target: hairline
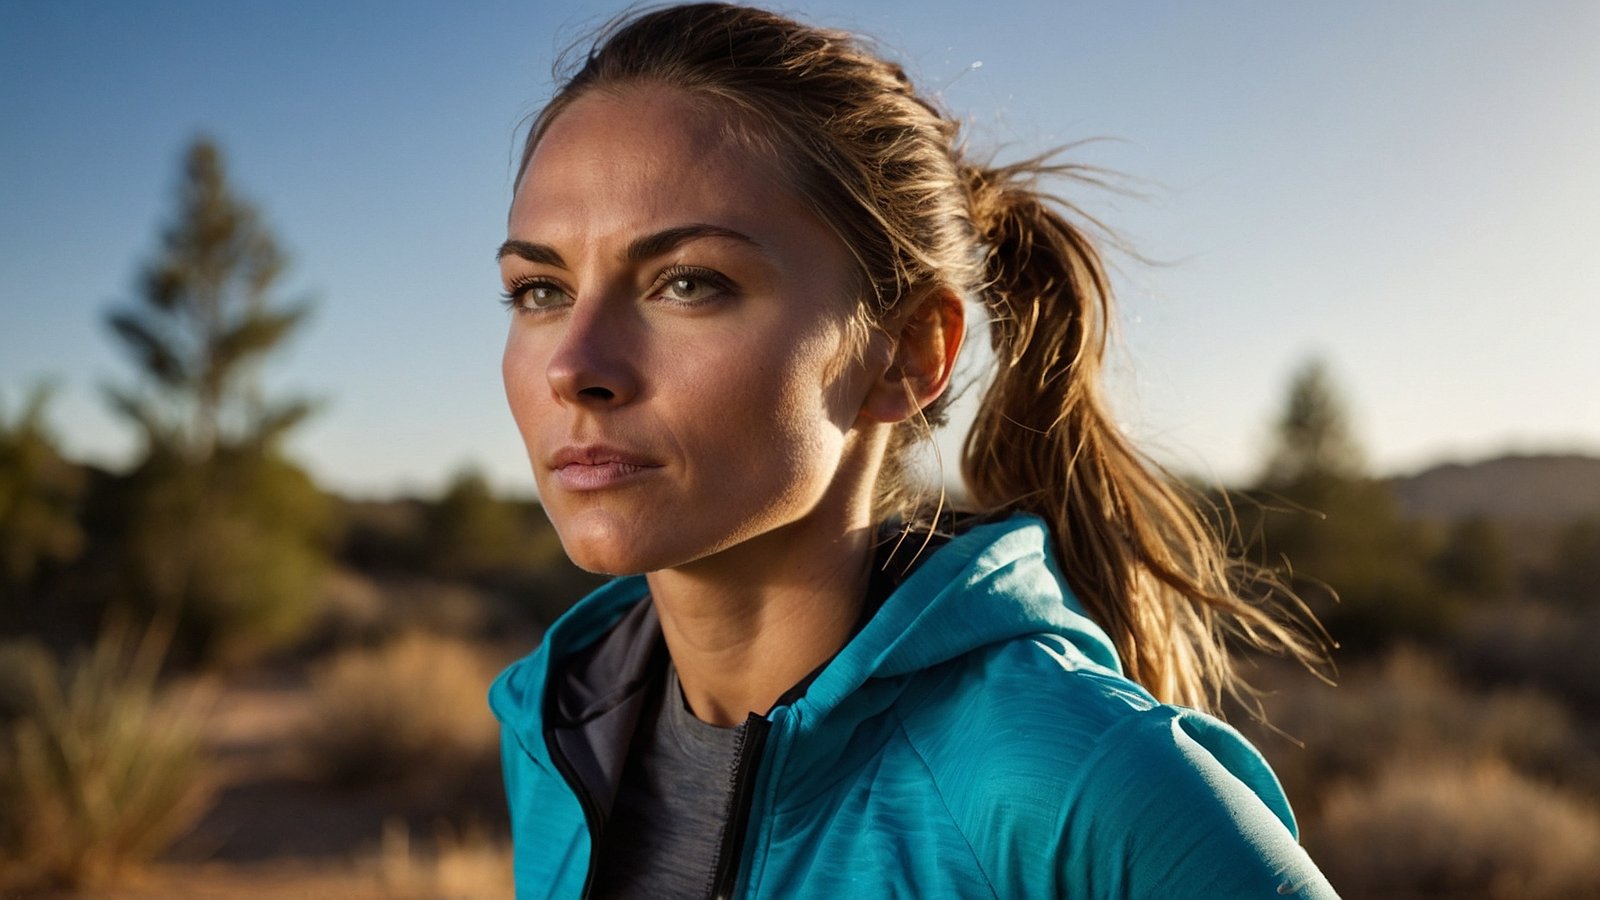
747	123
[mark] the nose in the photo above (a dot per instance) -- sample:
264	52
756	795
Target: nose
593	362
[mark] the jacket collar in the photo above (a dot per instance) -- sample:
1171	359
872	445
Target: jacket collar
997	581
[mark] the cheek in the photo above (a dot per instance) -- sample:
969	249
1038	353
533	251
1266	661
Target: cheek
523	373
802	417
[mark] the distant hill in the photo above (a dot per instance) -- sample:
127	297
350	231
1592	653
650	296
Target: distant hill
1531	489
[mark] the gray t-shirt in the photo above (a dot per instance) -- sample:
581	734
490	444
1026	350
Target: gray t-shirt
677	790
665	830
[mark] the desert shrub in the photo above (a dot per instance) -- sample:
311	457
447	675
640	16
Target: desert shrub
1544	647
381	536
504	546
1475	560
358	609
471	531
23	663
500	559
100	764
234	548
1410	708
39	496
411	711
1572	575
349	610
1464	832
450	609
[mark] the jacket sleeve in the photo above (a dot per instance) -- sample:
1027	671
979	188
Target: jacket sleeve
1176	804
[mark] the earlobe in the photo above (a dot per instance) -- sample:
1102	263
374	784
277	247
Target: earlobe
923	358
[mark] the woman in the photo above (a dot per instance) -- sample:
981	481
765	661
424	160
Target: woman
737	257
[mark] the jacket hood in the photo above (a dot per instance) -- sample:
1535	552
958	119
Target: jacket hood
995	582
517	696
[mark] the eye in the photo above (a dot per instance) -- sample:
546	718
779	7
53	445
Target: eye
691	286
687	288
536	294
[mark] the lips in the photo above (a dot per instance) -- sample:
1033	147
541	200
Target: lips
595	467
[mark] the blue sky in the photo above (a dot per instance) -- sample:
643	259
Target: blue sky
1408	190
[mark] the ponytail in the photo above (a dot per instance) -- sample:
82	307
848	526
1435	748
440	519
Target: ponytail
875	162
1131	540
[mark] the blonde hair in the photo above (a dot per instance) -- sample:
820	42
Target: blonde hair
882	167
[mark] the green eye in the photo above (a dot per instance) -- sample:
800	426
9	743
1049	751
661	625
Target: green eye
533	296
542	296
687	288
690	287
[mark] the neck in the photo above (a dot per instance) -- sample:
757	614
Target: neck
747	624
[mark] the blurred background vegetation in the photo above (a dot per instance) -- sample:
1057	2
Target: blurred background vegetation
218	678
209	657
1459	753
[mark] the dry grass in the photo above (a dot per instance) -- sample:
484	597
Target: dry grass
469	864
101	765
1412	784
1409	708
1466	832
412	710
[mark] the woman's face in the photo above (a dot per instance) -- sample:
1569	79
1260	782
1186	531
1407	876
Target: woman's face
678	355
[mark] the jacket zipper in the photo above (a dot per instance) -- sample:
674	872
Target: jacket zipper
591	811
744	778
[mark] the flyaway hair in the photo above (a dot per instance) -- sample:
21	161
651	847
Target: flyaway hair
885	170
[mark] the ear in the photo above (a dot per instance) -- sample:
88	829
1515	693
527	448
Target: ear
924	349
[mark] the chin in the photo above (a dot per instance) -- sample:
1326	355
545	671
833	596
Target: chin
605	545
599	557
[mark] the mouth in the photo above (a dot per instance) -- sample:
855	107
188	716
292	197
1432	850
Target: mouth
595	467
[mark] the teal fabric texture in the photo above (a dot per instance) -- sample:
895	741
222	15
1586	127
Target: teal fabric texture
975	739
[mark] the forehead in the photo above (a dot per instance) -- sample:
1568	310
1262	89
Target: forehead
645	154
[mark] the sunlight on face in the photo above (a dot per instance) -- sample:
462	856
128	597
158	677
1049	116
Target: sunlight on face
673	362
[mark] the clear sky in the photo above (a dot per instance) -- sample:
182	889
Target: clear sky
1408	190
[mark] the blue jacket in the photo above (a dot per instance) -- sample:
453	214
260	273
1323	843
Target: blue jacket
975	739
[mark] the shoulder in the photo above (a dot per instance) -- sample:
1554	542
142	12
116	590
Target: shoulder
1040	754
1039	712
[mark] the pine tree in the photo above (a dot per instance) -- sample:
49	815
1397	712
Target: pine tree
220	531
1315	441
1334	530
205	321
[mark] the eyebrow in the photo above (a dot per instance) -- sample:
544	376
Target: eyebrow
639	250
653	245
528	250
